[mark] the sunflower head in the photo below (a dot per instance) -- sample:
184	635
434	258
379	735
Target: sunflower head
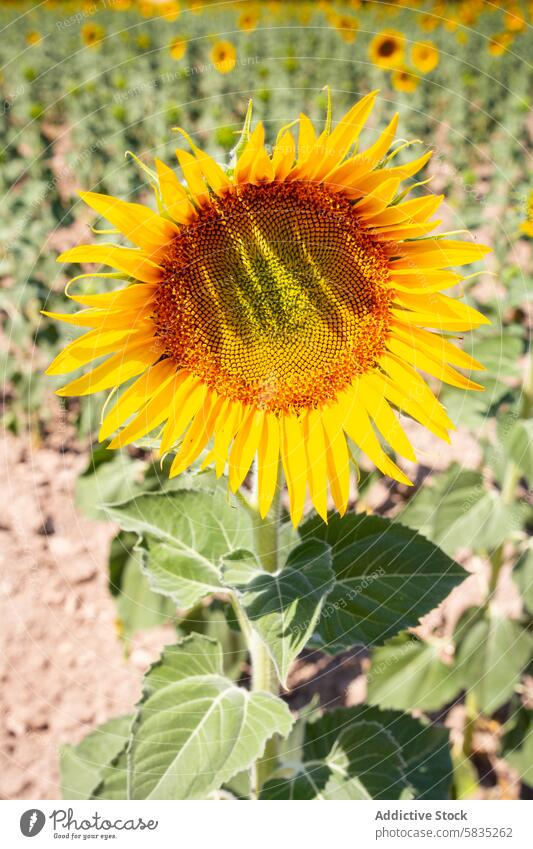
224	56
387	49
404	80
178	47
424	56
92	34
276	309
248	20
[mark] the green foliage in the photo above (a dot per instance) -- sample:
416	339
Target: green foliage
387	577
284	608
194	729
408	674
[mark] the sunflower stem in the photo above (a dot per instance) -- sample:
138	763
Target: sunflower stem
264	676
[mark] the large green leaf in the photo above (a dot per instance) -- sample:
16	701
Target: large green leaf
187	533
458	510
138	606
361	753
85	766
283	608
387	577
347	754
520	447
195	729
407	673
426	751
491	656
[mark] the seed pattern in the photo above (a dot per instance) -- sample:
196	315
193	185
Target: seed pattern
275	296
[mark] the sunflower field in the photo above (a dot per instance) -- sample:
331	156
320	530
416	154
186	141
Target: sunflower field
265	292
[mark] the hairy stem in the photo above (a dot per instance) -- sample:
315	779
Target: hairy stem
264	677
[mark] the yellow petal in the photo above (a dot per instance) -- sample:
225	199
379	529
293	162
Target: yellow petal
174	195
385	419
244	447
132	297
254	144
225	434
135	263
436	253
337	457
437	346
283	156
188	397
94	344
199	433
430	364
154	412
116	370
136	395
315	444
193	175
411	388
294	464
145	228
267	463
359	428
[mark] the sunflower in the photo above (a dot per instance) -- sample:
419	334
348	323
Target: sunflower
424	56
178	46
346	26
92	34
499	43
275	309
248	21
403	80
387	49
33	37
224	56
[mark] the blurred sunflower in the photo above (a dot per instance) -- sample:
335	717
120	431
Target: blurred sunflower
276	309
346	26
178	46
33	37
248	20
499	43
424	56
387	49
224	56
92	34
403	80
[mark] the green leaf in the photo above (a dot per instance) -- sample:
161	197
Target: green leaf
347	754
187	532
387	577
283	608
361	753
194	729
523	578
457	510
426	751
490	659
138	606
407	674
85	766
108	477
520	447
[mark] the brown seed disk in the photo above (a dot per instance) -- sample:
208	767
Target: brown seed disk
275	296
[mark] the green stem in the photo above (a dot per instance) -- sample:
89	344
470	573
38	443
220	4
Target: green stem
264	677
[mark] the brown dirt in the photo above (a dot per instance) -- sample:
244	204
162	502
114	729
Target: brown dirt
63	666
